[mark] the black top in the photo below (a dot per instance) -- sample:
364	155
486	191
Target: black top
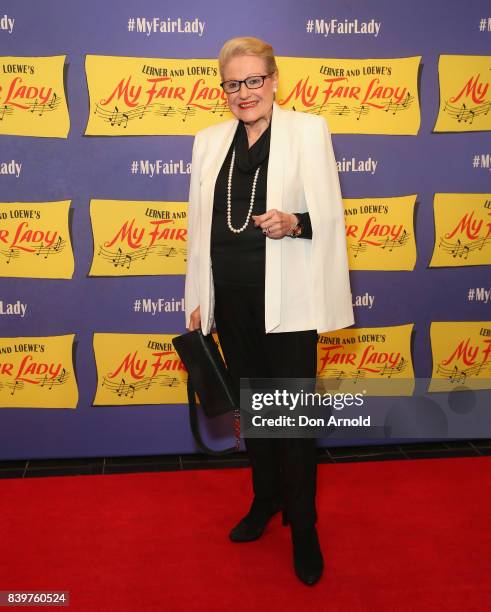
239	259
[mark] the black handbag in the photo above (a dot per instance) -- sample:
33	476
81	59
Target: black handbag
208	378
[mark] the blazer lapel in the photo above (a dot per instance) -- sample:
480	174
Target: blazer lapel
218	147
274	199
211	172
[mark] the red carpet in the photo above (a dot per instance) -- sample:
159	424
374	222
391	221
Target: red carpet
396	536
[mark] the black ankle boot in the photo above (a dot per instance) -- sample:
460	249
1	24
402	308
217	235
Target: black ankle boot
252	526
307	555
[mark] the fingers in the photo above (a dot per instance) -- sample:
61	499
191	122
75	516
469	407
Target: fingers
274	223
260	219
268	219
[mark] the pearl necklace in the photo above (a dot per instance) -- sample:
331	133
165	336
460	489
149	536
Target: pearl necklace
229	198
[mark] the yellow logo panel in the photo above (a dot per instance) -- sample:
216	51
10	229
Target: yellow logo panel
37	372
368	358
462	229
138	369
380	233
35	240
138	238
32	97
461	355
465	93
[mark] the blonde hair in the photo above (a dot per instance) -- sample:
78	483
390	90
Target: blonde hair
247	45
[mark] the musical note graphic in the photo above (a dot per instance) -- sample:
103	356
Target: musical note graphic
360	110
456	375
52	249
164	111
124	389
358	247
170	382
318	109
53	102
219	108
59	245
114	117
122	259
463	249
395	107
343	110
41	107
464	114
390	243
5	110
119	118
17	385
187	110
33	107
340	109
10	254
61	379
143	111
41	249
387	371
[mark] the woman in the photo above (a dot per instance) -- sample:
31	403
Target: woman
267	262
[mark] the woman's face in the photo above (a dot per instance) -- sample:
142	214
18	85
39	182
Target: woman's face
250	105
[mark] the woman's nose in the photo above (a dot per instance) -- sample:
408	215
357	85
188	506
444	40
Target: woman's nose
243	91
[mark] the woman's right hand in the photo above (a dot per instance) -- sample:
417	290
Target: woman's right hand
195	320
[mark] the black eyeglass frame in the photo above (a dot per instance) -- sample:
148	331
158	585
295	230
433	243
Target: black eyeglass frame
253	76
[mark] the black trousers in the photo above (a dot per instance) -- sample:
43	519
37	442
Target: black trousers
283	469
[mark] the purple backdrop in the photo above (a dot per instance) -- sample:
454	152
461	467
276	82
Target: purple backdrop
81	168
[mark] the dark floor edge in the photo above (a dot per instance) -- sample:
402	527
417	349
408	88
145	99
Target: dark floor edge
198	461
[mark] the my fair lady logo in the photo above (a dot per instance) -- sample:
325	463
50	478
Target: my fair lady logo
135	237
468	354
22	96
369	360
471	102
471	227
375	233
162	88
375	94
29	240
139	367
33	371
470	358
474	90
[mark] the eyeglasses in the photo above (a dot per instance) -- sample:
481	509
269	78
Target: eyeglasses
252	82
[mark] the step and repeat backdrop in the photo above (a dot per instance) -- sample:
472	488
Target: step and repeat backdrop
99	103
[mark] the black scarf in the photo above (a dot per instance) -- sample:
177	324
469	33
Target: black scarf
248	159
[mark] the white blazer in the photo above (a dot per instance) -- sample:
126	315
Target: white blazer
307	281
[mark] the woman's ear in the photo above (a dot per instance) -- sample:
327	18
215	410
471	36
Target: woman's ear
275	81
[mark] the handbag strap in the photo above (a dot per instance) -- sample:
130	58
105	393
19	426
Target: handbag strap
194	423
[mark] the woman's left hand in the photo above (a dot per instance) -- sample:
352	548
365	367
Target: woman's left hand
275	223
